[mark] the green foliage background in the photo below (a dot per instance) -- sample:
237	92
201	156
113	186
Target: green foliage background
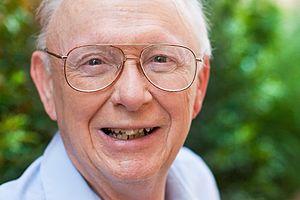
249	129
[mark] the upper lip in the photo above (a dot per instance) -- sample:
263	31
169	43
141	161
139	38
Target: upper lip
129	127
128	124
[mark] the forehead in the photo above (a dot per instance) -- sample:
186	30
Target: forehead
79	22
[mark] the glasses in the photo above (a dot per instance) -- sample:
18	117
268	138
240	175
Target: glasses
91	68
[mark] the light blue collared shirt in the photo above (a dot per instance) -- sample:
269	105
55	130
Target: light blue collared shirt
54	177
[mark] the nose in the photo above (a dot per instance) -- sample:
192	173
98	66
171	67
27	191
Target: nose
131	89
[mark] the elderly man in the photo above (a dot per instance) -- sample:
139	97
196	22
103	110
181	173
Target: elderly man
123	79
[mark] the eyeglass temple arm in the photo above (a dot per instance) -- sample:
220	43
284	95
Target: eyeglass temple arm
53	54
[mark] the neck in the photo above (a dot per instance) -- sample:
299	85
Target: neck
150	189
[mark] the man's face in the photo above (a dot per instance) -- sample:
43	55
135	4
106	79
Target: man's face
130	104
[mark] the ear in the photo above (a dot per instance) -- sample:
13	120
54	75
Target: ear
42	79
202	83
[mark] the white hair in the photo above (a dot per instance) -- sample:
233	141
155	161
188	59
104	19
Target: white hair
191	11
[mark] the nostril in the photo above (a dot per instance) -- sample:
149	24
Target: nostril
130	99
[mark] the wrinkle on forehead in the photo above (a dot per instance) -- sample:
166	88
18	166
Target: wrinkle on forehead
75	17
119	10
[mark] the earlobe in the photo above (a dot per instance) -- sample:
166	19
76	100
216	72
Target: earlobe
43	82
202	83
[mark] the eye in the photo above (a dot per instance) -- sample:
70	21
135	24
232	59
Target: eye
95	61
161	59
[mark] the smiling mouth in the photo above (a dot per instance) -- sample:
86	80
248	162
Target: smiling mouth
129	134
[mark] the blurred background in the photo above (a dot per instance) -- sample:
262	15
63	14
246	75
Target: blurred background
249	129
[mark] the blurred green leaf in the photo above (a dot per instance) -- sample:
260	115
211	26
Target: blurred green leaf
249	130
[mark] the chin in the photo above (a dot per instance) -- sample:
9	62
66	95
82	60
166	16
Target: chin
135	168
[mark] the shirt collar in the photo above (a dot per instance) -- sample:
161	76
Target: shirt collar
60	178
177	188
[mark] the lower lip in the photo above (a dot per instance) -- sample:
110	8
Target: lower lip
133	144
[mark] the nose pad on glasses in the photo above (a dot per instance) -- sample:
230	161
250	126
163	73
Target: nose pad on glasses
131	89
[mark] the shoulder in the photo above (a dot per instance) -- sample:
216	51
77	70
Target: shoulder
27	187
194	175
188	160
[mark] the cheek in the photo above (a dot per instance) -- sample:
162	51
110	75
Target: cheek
185	113
79	109
72	107
181	106
180	109
75	110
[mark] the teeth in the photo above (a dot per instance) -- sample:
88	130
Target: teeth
124	137
141	130
148	129
128	134
131	132
119	136
130	137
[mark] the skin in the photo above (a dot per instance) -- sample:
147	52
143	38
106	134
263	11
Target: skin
115	169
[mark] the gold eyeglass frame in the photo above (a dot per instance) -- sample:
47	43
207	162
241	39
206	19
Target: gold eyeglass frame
125	58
